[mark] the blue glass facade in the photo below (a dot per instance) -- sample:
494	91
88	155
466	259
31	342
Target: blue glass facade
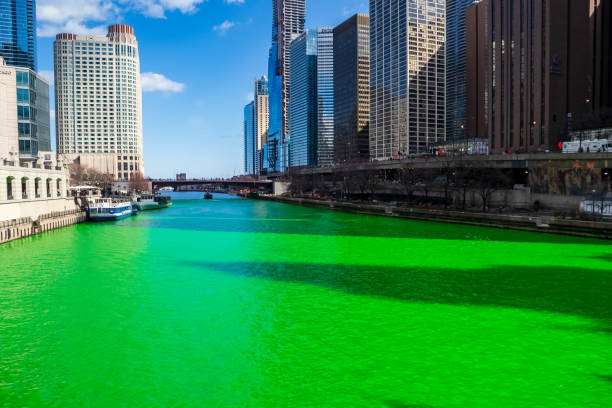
303	111
18	33
287	24
32	114
456	125
272	149
249	138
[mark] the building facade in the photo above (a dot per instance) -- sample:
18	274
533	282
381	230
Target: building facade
288	18
250	146
303	106
407	76
98	100
262	119
325	96
531	71
24	113
456	125
18	33
352	89
601	26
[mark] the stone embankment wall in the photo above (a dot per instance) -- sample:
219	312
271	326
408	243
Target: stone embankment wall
25	227
548	224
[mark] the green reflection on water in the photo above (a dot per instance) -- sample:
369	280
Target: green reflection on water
224	304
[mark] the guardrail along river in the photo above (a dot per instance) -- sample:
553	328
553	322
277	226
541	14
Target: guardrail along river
236	303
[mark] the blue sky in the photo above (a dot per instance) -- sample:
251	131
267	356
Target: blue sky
201	58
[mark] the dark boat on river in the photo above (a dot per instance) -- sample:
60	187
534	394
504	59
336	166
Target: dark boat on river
208	196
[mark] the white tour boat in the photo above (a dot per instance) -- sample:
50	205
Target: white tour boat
109	209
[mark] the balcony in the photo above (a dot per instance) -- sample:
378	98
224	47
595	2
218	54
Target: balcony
10	197
24	196
37	196
47	167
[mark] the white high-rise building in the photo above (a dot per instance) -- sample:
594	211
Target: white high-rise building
98	101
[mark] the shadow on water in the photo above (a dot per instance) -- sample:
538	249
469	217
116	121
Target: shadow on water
243	216
572	291
399	404
606	377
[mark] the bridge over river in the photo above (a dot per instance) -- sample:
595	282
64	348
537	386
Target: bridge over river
214	185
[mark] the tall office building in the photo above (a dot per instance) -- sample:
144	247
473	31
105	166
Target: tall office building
352	89
531	66
262	118
249	138
288	23
24	116
456	126
18	33
407	76
303	106
601	26
98	101
325	96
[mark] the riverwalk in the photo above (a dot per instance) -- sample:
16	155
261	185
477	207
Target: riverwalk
534	223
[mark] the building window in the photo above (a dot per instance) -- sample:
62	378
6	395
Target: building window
9	188
24	188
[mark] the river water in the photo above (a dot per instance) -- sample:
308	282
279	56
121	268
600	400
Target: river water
235	303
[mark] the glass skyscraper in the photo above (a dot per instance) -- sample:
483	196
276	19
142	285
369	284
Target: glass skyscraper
407	76
18	33
249	138
288	23
303	107
456	125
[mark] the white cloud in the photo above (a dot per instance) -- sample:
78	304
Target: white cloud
224	26
152	82
234	1
48	75
92	16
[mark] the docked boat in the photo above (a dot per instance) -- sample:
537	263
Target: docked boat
109	209
208	196
153	202
166	189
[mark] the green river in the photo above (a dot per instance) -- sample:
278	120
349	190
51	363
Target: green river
237	303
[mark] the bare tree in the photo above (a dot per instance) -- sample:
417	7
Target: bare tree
138	183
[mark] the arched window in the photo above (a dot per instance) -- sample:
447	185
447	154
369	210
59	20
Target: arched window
49	187
24	188
59	187
37	187
9	188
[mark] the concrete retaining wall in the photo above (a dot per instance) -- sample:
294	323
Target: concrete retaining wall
25	227
546	224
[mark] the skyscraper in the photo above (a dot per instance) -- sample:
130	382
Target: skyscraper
18	33
303	106
325	96
249	138
407	76
531	67
455	69
262	118
98	100
288	23
352	89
